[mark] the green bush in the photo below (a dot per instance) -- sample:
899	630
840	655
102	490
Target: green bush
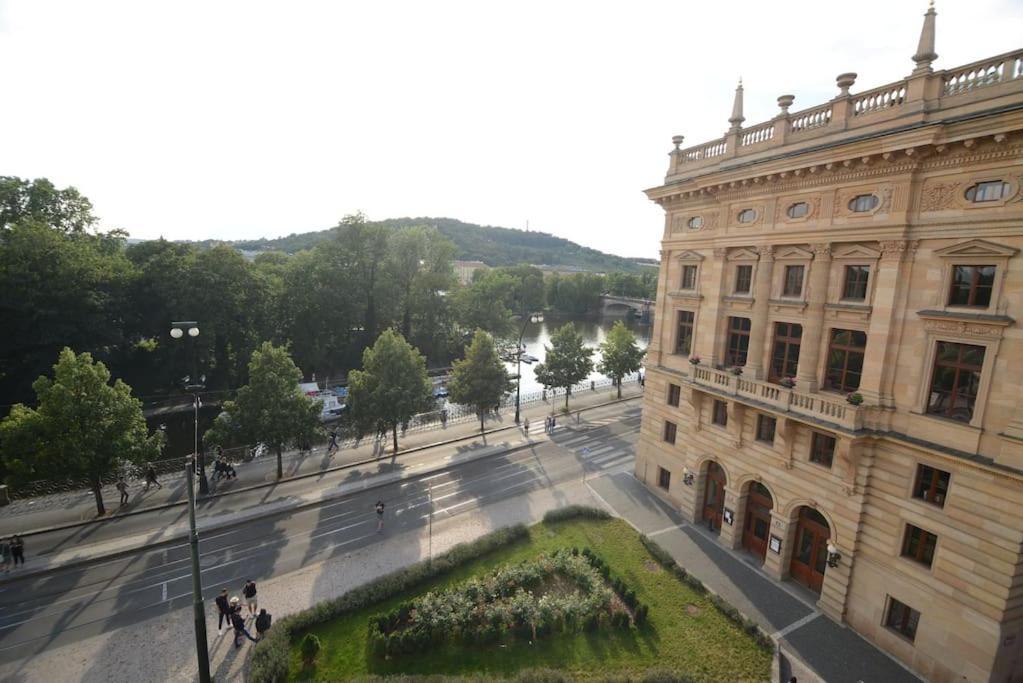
310	647
573	511
271	657
642	613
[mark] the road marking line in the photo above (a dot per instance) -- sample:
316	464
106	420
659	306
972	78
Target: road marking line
794	625
164	598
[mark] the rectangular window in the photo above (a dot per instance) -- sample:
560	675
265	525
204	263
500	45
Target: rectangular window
902	618
765	428
793	281
822	449
971	286
720	416
743	279
845	360
855	287
688	277
674	392
684	336
785	355
669	431
738	341
931	485
663	478
955	381
919	545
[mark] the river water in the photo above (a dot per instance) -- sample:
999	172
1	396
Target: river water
538	336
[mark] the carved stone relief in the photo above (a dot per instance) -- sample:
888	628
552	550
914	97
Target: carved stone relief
962	328
937	196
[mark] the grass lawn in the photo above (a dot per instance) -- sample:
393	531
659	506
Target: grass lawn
685	633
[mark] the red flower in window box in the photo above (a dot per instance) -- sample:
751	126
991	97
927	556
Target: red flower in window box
855	398
736	370
787	382
694	360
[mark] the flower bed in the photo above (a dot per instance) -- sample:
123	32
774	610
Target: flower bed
557	593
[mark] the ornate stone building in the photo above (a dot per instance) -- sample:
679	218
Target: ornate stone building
834	379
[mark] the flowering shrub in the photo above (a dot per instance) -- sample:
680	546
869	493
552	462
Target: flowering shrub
787	382
855	398
736	369
561	592
694	360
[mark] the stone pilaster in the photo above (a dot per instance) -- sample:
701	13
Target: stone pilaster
816	296
755	364
710	333
731	534
887	288
776	565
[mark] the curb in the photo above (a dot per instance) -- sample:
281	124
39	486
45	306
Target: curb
317	473
285	510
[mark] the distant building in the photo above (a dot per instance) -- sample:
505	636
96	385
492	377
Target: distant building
833	380
465	269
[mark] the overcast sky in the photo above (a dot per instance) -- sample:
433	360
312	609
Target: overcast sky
255	119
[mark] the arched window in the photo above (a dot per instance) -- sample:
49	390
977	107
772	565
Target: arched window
695	223
863	202
988	191
747	216
798	210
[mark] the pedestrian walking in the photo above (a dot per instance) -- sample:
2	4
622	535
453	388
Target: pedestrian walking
151	478
525	426
444	418
5	554
554	423
547	425
380	515
18	550
223	612
332	446
122	487
239	629
263	623
249	591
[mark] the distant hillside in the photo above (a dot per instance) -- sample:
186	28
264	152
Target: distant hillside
494	246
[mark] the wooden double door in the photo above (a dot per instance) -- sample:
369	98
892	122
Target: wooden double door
810	554
714	496
757	527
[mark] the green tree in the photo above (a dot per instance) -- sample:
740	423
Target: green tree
620	355
271	408
485	304
391	387
567	361
39	200
83	428
480	379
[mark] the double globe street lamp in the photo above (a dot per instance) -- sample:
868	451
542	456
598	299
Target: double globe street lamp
526	319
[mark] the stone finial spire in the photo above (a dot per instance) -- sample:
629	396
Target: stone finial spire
925	53
737	118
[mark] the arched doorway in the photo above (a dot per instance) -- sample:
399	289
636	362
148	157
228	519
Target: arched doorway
714	496
757	526
810	553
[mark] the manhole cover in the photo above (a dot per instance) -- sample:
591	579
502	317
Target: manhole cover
692	610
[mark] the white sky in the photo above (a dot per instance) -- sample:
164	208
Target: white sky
256	119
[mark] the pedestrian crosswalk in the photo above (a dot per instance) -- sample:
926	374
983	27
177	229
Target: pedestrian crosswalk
598	451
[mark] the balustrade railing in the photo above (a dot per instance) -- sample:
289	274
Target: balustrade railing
820	406
757	134
879	99
810	119
991	71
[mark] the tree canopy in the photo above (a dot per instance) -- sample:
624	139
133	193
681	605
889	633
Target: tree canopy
480	379
40	201
567	360
620	354
271	408
391	388
83	428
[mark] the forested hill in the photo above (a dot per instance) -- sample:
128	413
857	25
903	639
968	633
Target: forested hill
494	246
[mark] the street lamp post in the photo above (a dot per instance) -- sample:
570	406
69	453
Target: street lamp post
534	318
198	607
178	330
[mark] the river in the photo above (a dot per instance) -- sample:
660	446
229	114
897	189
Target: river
538	336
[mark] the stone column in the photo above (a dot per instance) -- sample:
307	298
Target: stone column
709	342
755	367
731	534
776	565
816	296
882	320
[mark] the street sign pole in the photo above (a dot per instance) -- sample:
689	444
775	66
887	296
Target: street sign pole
201	648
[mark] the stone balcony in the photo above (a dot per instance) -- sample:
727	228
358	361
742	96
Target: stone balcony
823	407
924	96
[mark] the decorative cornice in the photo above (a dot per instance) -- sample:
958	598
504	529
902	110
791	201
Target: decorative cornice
965	324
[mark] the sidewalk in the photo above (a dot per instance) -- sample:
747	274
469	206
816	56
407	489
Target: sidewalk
34	515
811	645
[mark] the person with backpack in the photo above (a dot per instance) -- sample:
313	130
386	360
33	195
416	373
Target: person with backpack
239	629
332	446
223	612
263	623
249	591
122	487
380	515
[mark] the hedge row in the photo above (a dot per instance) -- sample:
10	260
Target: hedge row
272	657
573	512
722	605
536	676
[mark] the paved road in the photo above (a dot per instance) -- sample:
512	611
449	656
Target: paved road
78	602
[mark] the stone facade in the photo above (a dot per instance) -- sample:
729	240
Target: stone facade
869	246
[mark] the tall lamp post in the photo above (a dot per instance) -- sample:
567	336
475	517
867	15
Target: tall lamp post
198	607
178	330
533	318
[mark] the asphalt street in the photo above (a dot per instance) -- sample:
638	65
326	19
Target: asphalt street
78	602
